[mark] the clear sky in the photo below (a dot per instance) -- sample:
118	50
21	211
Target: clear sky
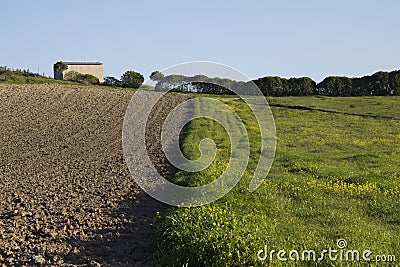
259	38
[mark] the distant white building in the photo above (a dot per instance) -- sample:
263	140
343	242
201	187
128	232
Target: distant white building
94	68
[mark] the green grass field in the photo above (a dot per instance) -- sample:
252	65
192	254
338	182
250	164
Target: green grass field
335	176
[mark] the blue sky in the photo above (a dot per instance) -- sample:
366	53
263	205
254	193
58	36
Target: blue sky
259	38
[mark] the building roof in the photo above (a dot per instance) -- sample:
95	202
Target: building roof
82	63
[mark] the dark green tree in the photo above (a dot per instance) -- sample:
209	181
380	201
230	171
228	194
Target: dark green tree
336	86
60	66
380	83
394	82
156	76
132	79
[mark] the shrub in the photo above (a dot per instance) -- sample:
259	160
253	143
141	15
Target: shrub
112	81
82	78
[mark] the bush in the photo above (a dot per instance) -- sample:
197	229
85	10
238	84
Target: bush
82	78
19	76
112	81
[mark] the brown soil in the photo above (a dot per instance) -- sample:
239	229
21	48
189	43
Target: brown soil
67	197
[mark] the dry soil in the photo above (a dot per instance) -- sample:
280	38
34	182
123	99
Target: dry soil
66	195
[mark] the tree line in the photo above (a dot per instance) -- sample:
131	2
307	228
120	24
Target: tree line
378	84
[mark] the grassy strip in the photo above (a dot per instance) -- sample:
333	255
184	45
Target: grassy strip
10	76
336	112
21	79
366	105
334	176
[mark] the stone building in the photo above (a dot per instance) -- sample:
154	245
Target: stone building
94	68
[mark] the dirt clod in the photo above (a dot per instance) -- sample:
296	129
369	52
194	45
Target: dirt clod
67	197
